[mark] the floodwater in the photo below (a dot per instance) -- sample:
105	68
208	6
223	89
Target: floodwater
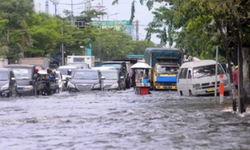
121	121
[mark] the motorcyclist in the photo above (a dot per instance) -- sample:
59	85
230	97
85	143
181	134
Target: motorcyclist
51	74
37	74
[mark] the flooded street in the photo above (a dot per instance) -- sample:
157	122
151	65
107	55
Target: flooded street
120	120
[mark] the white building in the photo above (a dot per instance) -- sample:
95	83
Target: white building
38	7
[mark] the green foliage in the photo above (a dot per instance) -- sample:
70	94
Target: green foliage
45	31
3	48
138	47
132	12
28	34
110	44
15	32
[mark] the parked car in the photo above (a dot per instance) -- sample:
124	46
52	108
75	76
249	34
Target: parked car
123	67
60	81
85	80
50	85
198	78
8	86
113	80
26	78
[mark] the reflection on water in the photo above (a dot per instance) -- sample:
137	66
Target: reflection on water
120	120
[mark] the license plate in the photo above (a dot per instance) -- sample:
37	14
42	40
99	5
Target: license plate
167	87
210	89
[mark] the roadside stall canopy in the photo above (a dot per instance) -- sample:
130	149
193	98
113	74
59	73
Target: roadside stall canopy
140	65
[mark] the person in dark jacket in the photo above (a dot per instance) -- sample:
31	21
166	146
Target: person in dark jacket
133	77
38	76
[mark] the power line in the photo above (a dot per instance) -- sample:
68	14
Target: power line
74	3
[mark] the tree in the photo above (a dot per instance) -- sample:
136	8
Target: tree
45	31
110	44
14	11
138	47
3	47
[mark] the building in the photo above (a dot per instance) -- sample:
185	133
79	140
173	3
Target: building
37	7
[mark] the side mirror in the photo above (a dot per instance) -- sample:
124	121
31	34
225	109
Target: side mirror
13	78
67	78
102	78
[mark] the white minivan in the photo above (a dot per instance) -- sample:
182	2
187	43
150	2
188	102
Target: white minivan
198	78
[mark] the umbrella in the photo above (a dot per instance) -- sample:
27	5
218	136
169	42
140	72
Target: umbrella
140	65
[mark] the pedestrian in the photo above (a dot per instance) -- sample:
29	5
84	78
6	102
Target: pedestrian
147	76
140	76
235	78
38	76
50	74
133	78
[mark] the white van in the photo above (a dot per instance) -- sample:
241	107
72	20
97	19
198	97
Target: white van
198	78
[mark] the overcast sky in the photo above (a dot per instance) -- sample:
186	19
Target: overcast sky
142	14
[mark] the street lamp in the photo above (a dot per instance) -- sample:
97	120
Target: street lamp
111	15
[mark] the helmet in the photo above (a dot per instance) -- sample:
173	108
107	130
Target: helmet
37	69
236	67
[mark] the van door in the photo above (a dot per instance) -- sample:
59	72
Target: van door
182	82
189	82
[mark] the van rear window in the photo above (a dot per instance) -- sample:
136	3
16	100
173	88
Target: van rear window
206	71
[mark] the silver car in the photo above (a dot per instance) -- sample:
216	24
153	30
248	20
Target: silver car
113	80
85	80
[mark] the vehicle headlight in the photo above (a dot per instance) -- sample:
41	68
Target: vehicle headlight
71	85
114	85
29	87
97	86
5	87
196	86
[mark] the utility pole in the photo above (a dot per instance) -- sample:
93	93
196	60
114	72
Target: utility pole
55	2
99	7
88	5
137	30
72	15
62	48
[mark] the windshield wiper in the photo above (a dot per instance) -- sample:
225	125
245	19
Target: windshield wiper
3	79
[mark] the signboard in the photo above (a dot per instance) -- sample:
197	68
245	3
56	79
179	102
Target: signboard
123	25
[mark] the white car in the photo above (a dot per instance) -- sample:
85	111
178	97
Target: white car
65	72
60	81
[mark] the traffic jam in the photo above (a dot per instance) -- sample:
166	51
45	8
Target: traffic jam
157	69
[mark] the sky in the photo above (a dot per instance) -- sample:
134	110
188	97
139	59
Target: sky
120	11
